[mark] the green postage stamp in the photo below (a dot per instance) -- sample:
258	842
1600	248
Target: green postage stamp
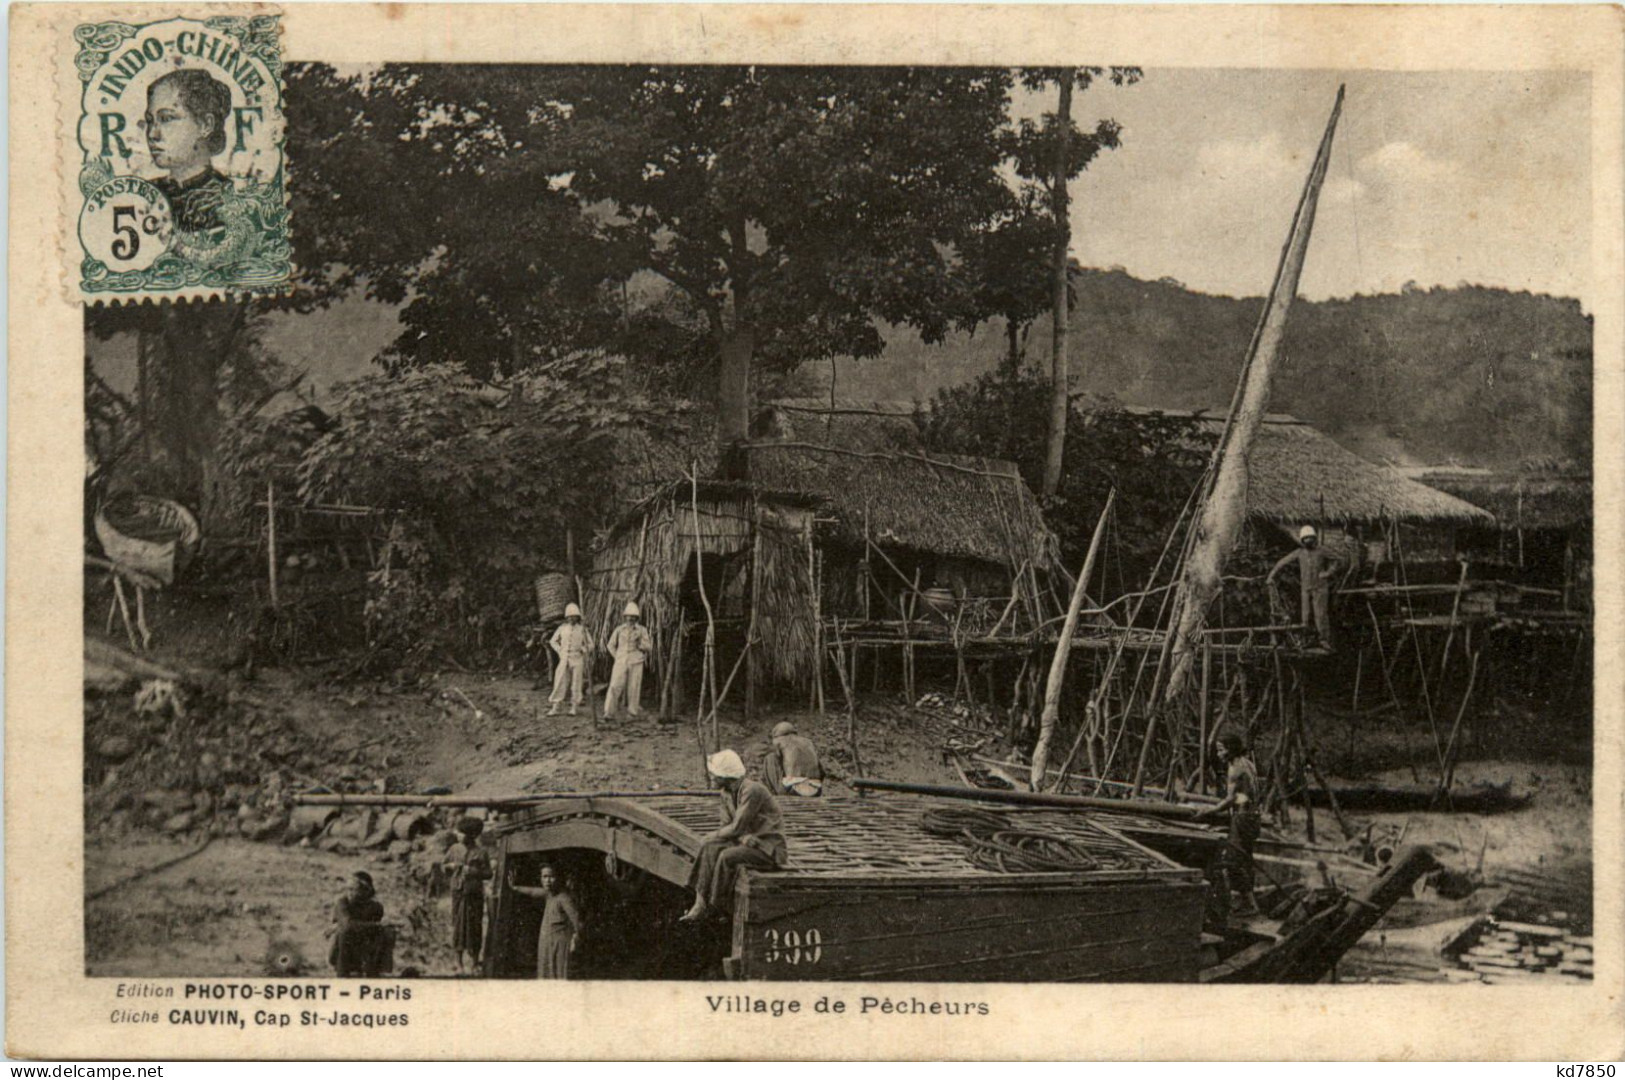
181	173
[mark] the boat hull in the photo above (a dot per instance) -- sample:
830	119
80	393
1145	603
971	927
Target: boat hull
1033	928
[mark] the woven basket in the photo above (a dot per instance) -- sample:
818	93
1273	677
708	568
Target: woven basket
553	591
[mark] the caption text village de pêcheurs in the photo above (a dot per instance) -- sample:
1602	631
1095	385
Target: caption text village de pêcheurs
824	1004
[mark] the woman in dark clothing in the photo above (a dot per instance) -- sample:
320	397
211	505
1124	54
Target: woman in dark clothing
358	932
1241	799
470	871
561	925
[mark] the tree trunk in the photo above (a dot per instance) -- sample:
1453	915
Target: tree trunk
1060	372
733	393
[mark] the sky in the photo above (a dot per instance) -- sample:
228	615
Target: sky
1436	178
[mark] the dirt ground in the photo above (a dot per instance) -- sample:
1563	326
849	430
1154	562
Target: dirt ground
234	906
241	907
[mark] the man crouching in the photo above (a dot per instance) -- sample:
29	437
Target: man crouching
750	836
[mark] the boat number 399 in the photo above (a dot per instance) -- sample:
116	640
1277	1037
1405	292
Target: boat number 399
794	946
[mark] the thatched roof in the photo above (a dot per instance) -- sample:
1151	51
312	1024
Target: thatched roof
1297	474
1538	500
965	507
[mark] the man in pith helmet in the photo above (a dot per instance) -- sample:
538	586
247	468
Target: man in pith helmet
630	645
1316	567
751	836
791	766
573	644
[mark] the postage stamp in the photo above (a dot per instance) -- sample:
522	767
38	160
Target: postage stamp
182	171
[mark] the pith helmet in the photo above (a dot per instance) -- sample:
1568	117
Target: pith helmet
632	609
725	765
1306	532
572	609
783	727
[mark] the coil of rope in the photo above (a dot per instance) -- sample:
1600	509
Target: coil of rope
994	841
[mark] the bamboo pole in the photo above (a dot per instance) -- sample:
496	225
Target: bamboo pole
587	672
1306	745
501	802
1202	714
270	537
1036	798
851	701
1063	649
908	641
1290	735
708	674
1448	776
1224	507
124	610
752	667
1455	609
1015	595
816	601
864	578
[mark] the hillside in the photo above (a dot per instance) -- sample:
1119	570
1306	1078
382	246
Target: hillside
1474	375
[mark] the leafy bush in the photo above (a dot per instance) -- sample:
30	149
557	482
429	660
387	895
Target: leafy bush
1152	460
484	481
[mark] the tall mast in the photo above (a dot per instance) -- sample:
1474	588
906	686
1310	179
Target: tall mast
1224	510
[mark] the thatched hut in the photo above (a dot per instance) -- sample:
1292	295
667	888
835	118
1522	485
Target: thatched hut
863	536
1542	531
1298	475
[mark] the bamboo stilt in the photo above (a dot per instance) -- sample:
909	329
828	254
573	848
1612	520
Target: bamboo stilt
1452	750
752	667
1063	649
708	674
124	610
1455	610
141	616
1202	713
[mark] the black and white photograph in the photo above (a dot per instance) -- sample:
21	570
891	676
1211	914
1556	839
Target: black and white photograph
933	524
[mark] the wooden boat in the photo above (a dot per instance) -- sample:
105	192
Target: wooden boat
1483	798
870	895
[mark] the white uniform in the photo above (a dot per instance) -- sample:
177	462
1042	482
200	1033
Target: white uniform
573	644
630	645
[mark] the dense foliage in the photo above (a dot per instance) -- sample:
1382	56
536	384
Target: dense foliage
708	220
1153	462
483	482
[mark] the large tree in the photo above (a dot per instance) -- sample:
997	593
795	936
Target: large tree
712	220
1050	154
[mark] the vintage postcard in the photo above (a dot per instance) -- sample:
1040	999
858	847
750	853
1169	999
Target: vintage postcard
815	531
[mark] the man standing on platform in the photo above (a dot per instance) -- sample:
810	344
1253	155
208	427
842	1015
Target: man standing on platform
1316	568
573	645
630	645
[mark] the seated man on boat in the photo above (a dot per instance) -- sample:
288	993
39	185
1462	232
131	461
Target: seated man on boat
1241	800
792	766
750	836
